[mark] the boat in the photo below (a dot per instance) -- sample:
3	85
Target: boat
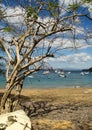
62	75
46	72
82	73
30	76
86	72
69	72
56	71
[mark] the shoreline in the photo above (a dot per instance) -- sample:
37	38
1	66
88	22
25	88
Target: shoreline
58	87
58	94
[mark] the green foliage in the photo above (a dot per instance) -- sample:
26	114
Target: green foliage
1	12
31	11
1	68
53	8
74	6
8	29
1	71
52	5
87	1
2	47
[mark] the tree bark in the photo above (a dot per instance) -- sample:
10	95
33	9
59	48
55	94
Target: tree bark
9	102
6	99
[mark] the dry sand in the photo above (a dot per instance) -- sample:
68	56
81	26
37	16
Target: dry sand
58	108
61	108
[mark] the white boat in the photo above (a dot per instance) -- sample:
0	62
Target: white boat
82	73
46	72
86	72
56	71
30	76
62	75
59	72
69	72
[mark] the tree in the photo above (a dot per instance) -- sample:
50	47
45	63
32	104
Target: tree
27	43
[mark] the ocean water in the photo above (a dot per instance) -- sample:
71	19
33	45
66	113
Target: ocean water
53	80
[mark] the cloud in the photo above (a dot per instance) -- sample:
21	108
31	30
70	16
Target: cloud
90	10
66	43
15	15
67	2
71	61
73	58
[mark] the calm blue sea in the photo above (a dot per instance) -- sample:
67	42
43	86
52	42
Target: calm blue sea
52	79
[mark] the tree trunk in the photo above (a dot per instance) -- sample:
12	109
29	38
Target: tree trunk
9	102
6	103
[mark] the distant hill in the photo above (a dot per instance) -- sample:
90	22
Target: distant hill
89	70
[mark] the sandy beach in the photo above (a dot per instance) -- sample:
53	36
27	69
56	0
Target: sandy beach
58	108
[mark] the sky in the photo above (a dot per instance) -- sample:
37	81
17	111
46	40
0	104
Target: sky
76	58
70	58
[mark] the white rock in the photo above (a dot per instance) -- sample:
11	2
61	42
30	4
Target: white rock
17	120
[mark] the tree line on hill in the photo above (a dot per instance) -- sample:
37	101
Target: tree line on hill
90	69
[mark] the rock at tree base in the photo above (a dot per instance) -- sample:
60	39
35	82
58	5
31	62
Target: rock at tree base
17	120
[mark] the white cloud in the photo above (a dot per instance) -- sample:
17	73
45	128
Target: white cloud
73	61
66	43
90	10
48	22
15	15
73	58
67	2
